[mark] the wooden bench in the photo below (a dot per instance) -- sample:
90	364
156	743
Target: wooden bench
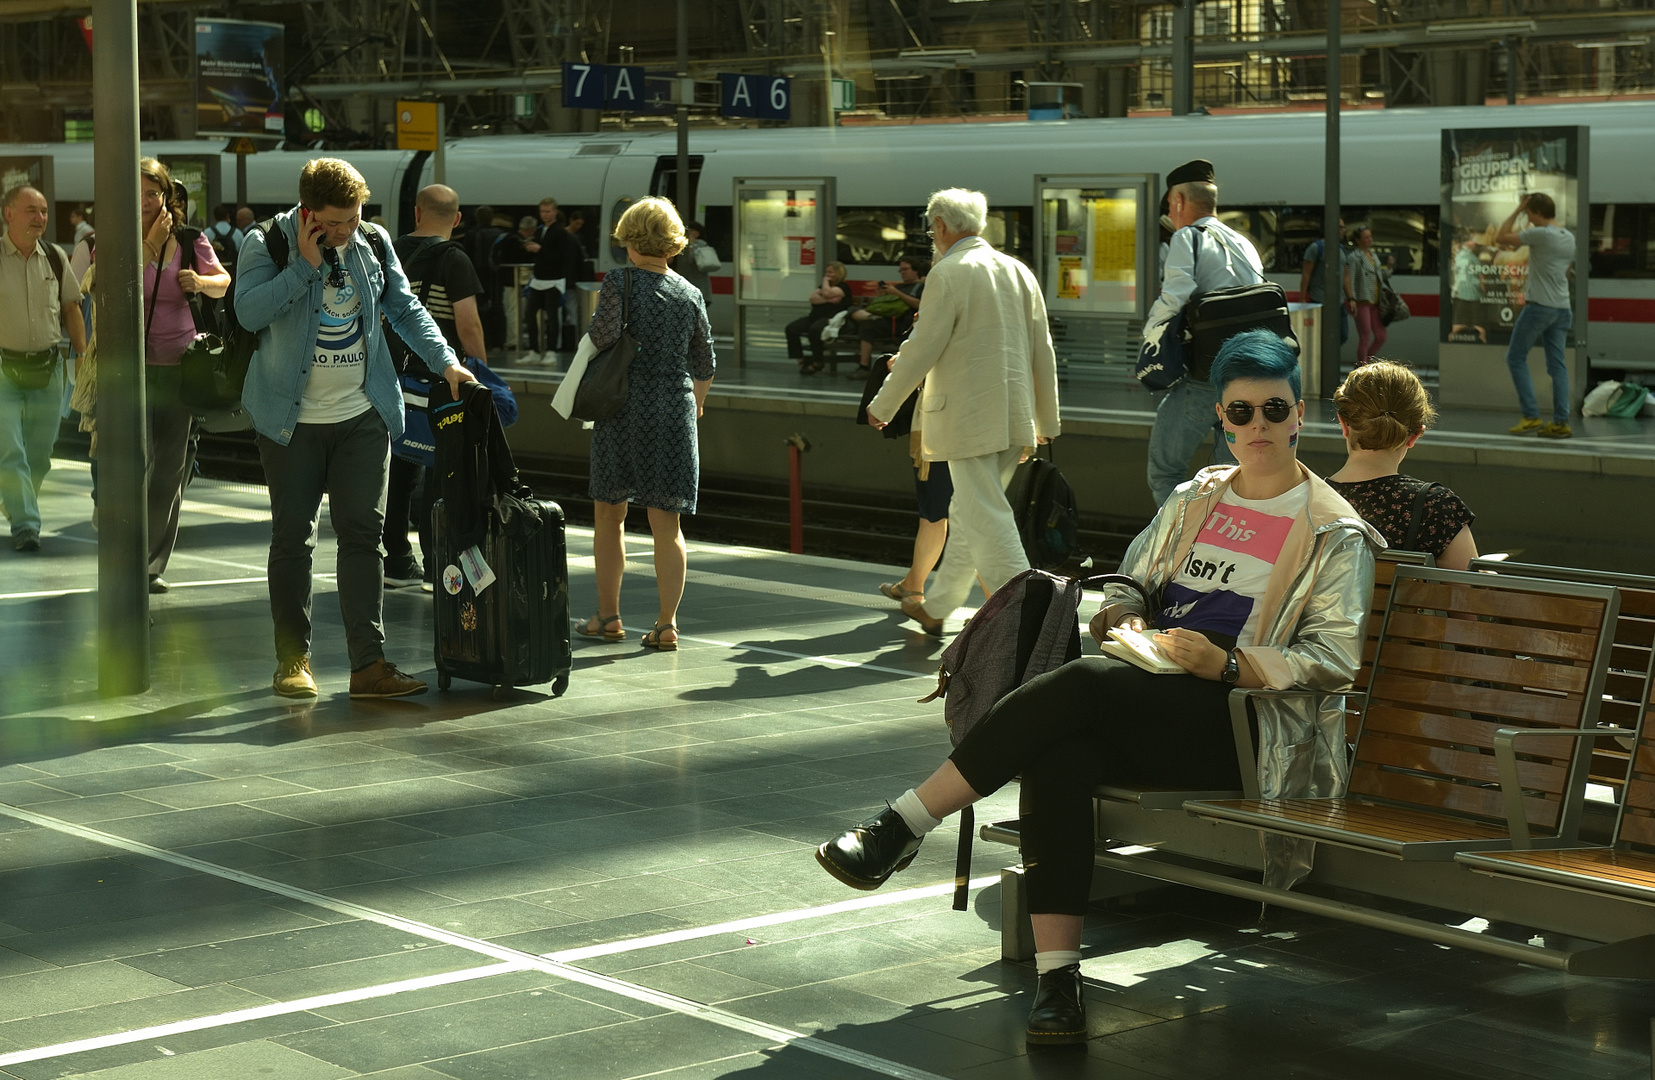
1623	870
1460	656
1627	685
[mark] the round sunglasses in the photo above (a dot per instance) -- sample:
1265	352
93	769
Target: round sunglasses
1240	413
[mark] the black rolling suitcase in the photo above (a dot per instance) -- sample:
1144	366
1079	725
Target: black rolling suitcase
502	567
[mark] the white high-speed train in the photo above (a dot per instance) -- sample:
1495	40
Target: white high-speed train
1269	167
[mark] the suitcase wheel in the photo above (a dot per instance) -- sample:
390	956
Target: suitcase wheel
560	684
444	680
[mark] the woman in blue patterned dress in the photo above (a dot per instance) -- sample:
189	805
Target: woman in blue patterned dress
647	453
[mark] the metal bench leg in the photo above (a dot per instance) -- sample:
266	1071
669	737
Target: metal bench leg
1016	931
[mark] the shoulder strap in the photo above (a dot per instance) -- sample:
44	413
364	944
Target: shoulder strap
377	243
186	247
626	297
1416	517
275	242
54	258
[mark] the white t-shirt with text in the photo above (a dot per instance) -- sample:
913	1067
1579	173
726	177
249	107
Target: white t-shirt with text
335	390
1218	589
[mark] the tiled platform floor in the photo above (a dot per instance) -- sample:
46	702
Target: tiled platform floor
205	881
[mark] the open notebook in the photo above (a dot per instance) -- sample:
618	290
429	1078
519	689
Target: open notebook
1127	644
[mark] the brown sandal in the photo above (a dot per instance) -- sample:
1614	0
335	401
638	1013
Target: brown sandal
602	633
653	639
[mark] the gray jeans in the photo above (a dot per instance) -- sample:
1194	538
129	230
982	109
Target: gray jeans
1183	419
348	462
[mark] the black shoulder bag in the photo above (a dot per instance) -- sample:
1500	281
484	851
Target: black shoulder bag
603	388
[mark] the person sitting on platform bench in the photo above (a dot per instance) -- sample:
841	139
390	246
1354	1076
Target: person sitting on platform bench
826	300
1264	577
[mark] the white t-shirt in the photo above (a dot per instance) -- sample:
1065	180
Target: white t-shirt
1217	590
335	390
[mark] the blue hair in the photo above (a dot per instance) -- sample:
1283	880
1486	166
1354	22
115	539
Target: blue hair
1255	354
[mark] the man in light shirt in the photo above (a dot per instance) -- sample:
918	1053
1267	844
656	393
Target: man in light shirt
324	398
1547	312
41	301
1205	254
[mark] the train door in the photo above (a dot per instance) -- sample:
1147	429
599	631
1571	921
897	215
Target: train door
1096	253
784	237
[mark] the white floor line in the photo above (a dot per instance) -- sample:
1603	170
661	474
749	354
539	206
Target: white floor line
671	1002
261	579
257	1012
44	594
757	922
489	971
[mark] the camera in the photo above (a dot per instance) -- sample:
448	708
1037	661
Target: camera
882	284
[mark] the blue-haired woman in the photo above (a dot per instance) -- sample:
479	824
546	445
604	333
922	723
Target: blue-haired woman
1263	576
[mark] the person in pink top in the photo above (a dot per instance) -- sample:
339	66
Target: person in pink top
178	262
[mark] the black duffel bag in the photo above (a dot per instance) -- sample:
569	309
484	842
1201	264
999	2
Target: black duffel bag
1216	317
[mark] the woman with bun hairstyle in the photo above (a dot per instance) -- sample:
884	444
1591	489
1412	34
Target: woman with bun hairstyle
1383	410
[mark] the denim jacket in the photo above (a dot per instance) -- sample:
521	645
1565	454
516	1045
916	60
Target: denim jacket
285	308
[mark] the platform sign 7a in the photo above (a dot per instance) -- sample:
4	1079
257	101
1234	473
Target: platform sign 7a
603	86
761	97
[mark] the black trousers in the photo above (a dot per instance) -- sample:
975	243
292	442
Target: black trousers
1094	721
408	494
550	303
807	329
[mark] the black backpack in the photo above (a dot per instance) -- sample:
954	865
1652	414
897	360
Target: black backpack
1213	318
1047	517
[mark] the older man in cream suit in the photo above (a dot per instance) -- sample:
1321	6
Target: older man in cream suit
982	347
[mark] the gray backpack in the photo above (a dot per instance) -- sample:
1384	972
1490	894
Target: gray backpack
1027	628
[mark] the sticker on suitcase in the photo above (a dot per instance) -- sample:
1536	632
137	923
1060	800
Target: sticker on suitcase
452	579
476	570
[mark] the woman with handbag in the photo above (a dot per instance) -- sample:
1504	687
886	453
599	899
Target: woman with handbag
179	267
646	452
1363	278
1383	410
1261	576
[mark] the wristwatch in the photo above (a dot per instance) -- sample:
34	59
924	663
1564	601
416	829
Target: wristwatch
1232	669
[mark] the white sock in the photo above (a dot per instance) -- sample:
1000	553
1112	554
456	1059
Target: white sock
918	819
1045	962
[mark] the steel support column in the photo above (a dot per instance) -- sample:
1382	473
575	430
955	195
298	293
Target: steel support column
1333	288
1183	57
123	538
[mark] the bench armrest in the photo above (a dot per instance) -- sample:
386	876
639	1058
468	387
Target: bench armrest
1511	789
1241	724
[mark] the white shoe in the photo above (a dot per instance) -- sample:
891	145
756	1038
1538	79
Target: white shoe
529	359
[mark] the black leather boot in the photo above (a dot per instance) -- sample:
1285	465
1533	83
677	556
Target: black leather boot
866	856
1059	1013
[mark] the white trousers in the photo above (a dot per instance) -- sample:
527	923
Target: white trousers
982	533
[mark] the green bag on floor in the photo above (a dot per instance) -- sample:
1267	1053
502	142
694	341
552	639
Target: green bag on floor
1628	401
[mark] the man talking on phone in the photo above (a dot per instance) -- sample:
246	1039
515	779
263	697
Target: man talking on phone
323	395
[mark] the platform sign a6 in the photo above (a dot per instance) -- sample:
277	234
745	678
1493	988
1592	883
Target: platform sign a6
583	85
762	97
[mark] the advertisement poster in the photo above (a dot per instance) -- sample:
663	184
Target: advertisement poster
1486	173
193	175
238	77
1070	277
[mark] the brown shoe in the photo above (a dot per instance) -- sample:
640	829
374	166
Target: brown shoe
914	608
381	679
293	678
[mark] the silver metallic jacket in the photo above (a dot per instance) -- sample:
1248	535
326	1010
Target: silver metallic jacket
1310	636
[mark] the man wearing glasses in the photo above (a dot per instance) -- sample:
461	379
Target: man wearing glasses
323	395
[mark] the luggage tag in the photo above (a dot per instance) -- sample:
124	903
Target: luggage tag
476	570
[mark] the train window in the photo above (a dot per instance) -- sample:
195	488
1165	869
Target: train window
617	252
880	235
1258	225
720	223
1623	240
1407	234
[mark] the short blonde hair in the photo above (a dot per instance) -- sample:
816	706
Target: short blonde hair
1384	404
325	182
651	226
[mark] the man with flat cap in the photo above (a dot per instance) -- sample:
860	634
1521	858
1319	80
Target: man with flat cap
1205	254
